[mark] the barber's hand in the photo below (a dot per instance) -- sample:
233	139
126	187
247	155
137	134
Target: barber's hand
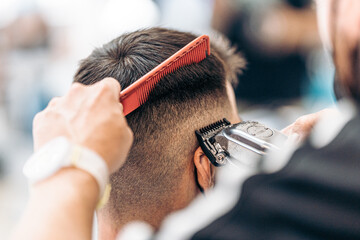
91	116
301	128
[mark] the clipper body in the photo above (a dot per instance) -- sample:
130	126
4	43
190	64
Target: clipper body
240	144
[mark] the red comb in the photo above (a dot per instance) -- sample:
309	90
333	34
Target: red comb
137	93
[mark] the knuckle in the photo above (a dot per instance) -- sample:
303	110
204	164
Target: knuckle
37	119
108	79
300	121
53	101
128	135
130	132
111	81
104	94
108	86
105	87
121	108
76	87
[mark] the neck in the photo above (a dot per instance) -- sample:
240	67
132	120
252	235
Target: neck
109	226
106	229
112	219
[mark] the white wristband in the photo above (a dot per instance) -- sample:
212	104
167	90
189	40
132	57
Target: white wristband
89	161
60	153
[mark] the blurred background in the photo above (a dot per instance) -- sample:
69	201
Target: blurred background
41	42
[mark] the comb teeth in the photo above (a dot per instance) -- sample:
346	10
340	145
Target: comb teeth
137	93
214	127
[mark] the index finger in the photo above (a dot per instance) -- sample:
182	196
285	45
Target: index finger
112	84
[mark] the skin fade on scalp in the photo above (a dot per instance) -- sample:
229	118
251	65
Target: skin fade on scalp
158	176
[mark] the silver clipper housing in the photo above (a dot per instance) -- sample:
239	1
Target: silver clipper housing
241	144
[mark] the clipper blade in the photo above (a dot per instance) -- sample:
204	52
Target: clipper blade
214	127
206	139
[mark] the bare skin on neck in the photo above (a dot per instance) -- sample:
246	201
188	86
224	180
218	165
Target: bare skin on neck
186	190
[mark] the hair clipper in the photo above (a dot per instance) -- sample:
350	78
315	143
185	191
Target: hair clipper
239	144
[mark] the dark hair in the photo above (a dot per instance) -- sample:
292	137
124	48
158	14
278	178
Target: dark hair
183	101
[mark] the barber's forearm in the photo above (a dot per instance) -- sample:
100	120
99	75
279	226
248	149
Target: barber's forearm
60	207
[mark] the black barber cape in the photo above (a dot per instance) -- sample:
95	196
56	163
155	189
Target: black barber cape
315	196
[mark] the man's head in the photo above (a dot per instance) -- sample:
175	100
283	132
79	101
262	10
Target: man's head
165	168
340	29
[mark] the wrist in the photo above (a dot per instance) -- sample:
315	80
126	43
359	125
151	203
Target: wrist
71	185
60	154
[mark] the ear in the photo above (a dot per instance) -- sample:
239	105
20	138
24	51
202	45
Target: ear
205	171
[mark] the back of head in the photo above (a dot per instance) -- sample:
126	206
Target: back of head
164	140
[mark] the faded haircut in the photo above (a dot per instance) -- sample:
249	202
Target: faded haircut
183	101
